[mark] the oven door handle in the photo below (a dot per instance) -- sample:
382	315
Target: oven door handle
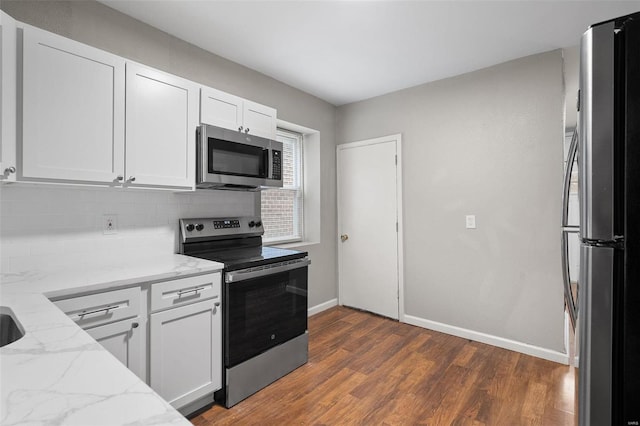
247	274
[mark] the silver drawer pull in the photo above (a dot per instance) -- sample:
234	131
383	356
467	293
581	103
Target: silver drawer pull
193	290
105	310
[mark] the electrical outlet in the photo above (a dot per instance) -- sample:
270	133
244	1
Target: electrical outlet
110	224
471	221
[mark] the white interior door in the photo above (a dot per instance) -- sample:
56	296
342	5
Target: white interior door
369	200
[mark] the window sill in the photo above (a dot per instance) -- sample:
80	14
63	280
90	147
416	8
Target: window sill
291	245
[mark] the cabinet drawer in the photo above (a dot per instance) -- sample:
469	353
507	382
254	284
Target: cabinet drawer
183	291
95	309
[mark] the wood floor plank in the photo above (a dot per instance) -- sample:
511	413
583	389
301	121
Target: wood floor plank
367	370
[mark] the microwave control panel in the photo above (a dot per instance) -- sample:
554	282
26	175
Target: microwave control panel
276	165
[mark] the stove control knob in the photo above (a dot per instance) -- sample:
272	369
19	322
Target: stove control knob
190	227
199	227
252	224
258	224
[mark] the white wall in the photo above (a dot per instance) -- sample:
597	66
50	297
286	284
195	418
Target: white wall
97	25
487	143
55	227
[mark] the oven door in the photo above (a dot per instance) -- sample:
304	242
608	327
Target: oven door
264	308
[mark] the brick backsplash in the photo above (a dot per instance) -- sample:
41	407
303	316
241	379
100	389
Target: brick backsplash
52	227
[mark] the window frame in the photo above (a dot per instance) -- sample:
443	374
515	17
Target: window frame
297	190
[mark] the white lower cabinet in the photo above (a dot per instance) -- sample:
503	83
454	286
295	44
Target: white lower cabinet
114	319
124	340
176	349
185	352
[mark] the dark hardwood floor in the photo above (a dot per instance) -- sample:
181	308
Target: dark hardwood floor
369	370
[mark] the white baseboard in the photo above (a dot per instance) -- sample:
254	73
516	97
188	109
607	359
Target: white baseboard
489	339
323	307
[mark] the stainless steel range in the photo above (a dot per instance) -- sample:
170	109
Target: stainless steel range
264	301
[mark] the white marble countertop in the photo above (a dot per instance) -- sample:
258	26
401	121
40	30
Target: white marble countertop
57	373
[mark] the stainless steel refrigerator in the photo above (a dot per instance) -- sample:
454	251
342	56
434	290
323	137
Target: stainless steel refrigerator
609	182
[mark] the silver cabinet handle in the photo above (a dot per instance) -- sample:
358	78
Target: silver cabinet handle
105	310
120	178
246	130
344	237
9	170
217	304
132	179
193	290
135	325
240	128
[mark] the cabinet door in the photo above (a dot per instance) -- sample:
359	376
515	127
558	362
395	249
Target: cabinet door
259	120
185	352
73	110
124	340
162	115
8	58
220	109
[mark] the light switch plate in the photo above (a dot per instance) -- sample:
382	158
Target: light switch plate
110	224
471	221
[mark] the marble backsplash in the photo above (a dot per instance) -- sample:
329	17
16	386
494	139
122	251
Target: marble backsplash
45	226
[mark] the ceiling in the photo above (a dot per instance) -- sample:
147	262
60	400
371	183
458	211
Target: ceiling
346	51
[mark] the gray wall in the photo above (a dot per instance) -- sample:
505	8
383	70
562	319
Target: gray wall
487	143
97	25
571	56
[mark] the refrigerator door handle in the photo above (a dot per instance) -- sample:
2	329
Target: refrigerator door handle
570	301
571	157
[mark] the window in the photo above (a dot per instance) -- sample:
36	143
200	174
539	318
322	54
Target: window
282	207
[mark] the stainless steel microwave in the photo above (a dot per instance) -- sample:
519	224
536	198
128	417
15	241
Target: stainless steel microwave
227	159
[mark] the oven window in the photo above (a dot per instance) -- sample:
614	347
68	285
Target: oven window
230	158
264	312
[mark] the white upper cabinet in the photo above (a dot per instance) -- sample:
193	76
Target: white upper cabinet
73	110
162	116
8	64
232	112
259	120
220	109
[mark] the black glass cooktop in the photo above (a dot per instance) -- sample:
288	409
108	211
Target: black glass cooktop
248	257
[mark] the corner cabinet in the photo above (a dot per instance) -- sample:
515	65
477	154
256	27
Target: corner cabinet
168	333
8	100
124	340
232	112
185	341
115	320
73	110
161	117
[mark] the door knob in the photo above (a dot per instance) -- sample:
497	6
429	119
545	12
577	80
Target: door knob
344	237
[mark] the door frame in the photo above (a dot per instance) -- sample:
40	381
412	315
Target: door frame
399	214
